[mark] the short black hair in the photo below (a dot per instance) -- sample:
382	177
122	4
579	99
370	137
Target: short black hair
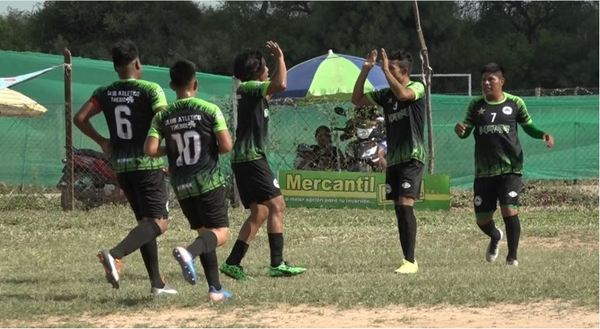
404	57
492	68
124	52
182	72
248	65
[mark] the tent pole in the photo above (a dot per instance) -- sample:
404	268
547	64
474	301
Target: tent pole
426	72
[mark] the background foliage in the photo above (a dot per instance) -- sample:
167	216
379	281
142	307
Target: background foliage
549	44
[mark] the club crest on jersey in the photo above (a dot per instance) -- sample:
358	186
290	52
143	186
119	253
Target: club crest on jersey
477	201
507	110
481	111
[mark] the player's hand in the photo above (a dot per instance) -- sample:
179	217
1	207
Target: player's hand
275	50
106	148
549	140
460	129
371	59
384	60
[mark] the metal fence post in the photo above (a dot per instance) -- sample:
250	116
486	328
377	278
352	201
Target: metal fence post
67	193
235	83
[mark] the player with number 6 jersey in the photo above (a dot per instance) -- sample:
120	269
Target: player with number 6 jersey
128	106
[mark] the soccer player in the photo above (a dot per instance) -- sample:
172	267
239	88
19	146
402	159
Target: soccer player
493	118
258	187
195	133
403	106
128	106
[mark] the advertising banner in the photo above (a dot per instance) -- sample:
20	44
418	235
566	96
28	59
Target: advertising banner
330	189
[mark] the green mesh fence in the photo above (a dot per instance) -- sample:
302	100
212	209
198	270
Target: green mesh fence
33	148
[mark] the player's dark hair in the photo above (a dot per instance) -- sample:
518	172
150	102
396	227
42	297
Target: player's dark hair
182	73
404	57
492	68
248	65
124	52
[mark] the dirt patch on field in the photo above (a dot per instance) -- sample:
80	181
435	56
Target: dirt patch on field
541	314
559	243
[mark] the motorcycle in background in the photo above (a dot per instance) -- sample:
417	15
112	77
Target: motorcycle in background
366	151
94	181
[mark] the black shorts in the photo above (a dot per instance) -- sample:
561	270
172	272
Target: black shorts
503	188
404	180
255	181
147	192
207	210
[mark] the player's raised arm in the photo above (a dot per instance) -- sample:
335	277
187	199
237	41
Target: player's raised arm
400	91
358	93
279	80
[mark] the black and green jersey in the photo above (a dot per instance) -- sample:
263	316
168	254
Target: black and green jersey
404	121
128	106
188	127
494	125
252	122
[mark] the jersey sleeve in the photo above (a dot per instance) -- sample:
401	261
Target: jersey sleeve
377	97
255	88
154	130
220	123
469	116
523	117
418	88
95	98
159	101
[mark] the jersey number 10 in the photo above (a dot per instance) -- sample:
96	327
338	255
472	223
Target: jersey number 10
187	143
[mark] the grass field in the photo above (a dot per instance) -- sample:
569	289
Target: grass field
49	267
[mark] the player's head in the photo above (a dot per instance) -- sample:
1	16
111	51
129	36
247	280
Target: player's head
400	63
250	65
125	58
183	76
323	135
492	79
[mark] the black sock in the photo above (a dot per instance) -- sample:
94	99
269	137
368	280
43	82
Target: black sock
237	253
276	246
490	230
211	268
204	243
149	253
513	233
144	232
407	229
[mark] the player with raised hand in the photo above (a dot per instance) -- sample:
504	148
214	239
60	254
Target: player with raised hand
404	111
128	105
258	187
195	133
493	118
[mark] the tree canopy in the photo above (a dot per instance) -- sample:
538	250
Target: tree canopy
549	44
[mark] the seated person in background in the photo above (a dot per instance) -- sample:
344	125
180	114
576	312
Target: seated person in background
322	156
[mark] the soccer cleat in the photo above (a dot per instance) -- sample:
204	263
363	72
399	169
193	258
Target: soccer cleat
512	262
233	271
221	295
185	260
407	267
493	248
166	290
112	267
285	269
